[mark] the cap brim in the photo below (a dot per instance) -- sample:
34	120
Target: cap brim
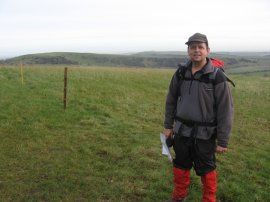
189	42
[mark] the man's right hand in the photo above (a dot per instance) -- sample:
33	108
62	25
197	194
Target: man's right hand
168	132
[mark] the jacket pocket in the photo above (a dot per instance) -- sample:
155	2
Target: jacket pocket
182	130
207	91
177	127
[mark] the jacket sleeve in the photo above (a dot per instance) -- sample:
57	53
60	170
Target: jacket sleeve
171	102
224	107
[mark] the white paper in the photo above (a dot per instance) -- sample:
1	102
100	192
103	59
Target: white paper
165	149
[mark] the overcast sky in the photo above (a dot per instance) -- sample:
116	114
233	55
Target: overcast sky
122	26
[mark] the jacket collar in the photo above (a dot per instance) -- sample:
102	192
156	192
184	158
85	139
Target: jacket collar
208	67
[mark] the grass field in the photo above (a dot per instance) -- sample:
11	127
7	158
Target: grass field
105	146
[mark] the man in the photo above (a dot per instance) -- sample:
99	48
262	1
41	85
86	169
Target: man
198	116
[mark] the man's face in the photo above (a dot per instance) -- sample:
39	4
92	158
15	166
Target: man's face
198	51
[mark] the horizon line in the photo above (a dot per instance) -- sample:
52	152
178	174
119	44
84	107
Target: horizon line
8	56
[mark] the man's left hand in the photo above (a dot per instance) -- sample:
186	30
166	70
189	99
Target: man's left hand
221	150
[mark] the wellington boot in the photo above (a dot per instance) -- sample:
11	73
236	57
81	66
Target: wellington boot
209	181
181	183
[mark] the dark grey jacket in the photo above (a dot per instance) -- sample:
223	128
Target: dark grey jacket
200	102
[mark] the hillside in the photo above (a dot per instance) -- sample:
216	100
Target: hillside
92	59
236	62
105	147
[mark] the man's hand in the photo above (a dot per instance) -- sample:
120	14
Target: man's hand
221	150
168	132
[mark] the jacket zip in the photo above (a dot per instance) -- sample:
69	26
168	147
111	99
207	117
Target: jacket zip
191	81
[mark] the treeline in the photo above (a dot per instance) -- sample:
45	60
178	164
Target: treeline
136	60
41	60
131	61
96	60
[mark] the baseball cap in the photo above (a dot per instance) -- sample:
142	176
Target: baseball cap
197	37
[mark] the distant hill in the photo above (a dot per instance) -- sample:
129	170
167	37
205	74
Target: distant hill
92	59
154	59
161	54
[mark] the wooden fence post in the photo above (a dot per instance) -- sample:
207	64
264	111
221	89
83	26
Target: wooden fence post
22	74
65	88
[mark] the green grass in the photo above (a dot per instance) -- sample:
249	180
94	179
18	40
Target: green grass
105	146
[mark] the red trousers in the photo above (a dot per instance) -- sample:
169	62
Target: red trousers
182	181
